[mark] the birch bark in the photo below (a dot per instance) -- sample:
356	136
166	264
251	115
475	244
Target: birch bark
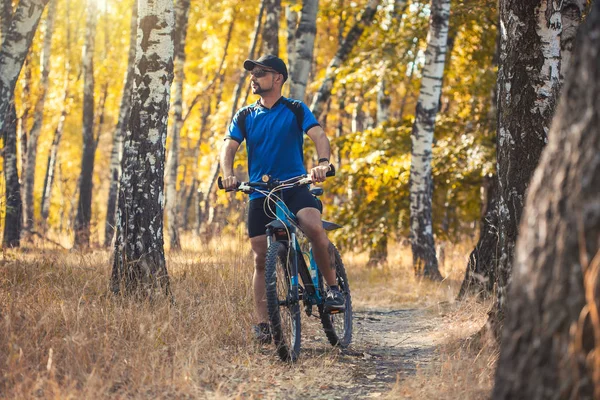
528	86
571	16
15	48
16	41
304	45
139	262
291	18
84	204
182	11
550	344
421	181
116	153
38	119
270	32
53	155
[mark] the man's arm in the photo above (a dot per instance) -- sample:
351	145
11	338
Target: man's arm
228	150
318	136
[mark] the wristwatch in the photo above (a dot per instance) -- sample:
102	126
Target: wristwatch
323	160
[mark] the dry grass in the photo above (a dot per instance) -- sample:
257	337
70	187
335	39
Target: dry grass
462	368
62	335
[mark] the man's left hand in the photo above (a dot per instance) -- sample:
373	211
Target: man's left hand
317	174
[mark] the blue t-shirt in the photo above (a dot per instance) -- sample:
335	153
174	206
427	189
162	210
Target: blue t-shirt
274	138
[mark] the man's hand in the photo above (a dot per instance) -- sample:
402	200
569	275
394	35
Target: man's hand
230	182
317	174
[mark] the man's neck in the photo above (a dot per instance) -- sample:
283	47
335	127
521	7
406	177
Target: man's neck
267	100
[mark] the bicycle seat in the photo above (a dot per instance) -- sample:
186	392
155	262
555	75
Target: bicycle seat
330	226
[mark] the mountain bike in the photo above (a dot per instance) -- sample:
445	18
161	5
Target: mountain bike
289	256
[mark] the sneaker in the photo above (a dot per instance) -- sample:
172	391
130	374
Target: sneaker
335	301
262	333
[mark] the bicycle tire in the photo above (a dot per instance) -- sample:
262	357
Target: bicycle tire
338	327
285	328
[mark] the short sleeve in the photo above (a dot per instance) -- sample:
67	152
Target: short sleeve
234	130
309	119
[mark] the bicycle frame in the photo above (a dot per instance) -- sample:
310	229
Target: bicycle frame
287	223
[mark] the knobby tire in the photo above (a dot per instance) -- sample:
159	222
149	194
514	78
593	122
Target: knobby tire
338	327
285	320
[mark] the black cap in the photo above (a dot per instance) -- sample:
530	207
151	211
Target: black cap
268	61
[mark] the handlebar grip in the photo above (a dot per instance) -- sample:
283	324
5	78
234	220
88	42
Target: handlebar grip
220	184
331	171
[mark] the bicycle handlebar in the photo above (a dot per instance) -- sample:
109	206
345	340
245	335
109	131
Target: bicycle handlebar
249	187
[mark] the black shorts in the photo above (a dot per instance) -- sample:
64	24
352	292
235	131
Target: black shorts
296	199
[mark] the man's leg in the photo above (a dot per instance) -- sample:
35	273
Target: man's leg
310	222
259	248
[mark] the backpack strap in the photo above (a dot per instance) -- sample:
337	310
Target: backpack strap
241	119
296	108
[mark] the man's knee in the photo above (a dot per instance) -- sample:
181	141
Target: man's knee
259	248
259	261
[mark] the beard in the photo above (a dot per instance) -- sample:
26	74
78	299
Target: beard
257	89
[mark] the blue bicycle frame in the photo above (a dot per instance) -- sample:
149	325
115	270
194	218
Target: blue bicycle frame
285	223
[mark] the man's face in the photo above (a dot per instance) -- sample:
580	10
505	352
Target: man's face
262	80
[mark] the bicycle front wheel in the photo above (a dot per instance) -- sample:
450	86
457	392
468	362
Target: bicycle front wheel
282	302
338	327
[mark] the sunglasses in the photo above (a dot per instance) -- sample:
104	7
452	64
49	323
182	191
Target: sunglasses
259	73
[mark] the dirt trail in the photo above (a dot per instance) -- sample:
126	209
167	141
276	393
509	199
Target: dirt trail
386	344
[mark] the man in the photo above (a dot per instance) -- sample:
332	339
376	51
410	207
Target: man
273	129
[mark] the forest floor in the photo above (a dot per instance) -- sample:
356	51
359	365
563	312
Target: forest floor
67	337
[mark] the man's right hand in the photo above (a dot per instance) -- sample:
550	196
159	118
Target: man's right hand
230	182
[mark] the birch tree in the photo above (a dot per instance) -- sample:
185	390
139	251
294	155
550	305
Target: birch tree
84	204
550	345
421	182
16	41
57	136
321	98
13	214
214	170
182	10
270	32
38	119
291	18
304	45
139	261
15	48
571	16
527	93
116	153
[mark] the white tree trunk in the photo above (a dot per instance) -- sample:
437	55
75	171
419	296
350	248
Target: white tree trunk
304	45
181	23
291	18
139	261
271	27
527	94
421	181
53	155
383	101
116	154
38	119
15	48
550	346
571	15
84	204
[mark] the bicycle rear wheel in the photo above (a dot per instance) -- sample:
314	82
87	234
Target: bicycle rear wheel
282	302
338	327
